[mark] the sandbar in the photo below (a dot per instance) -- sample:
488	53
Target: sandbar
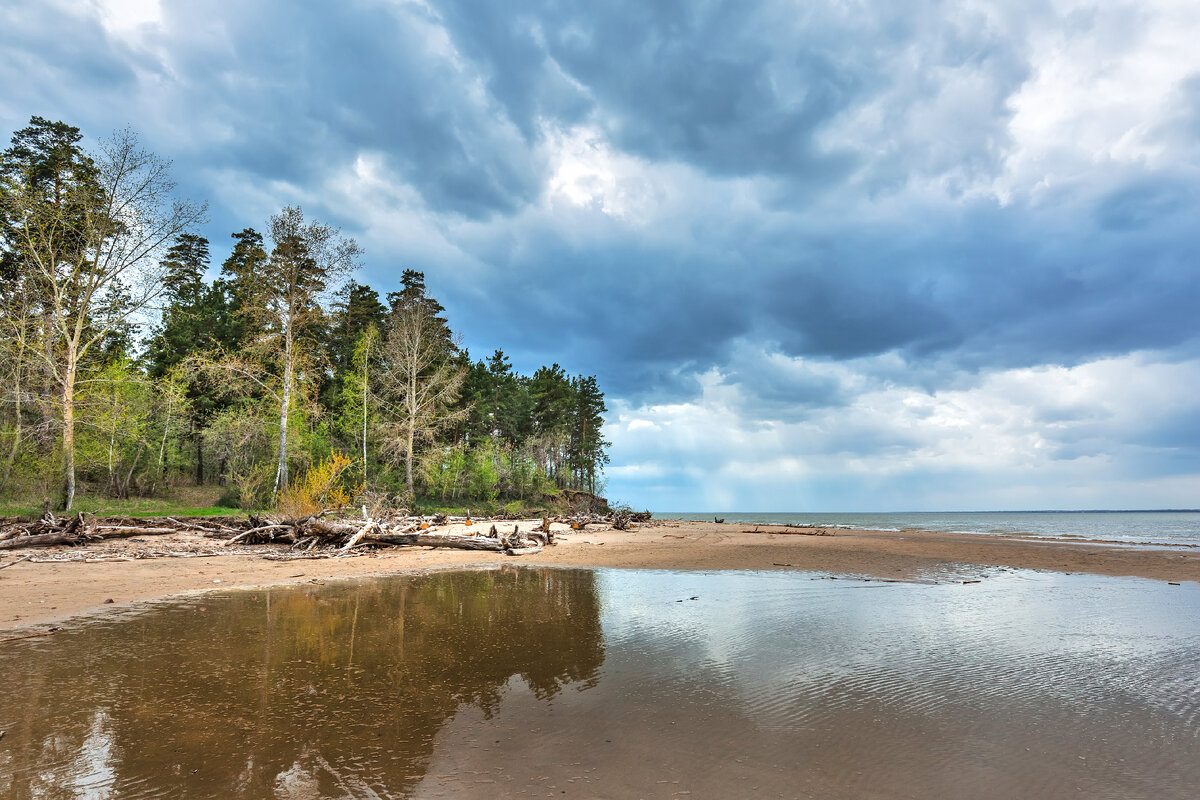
39	593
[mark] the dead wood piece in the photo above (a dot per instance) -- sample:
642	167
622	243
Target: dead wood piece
41	540
358	537
30	635
523	551
123	531
255	533
794	532
18	561
438	540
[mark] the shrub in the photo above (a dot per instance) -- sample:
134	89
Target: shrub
251	487
322	488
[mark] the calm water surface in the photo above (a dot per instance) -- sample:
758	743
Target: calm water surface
539	682
1134	527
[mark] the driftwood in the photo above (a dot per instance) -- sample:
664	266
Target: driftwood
41	540
311	536
314	532
437	540
28	636
794	530
78	530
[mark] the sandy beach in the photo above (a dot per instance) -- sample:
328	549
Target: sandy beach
37	592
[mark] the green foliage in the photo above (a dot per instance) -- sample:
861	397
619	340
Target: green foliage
253	486
233	363
483	473
322	487
445	471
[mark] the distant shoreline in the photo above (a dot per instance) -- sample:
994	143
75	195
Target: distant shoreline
39	593
1144	526
676	514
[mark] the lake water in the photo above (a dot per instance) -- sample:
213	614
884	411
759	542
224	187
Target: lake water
525	682
1135	527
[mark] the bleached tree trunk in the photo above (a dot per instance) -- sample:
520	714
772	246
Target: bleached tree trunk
412	433
18	387
366	362
68	444
281	474
162	445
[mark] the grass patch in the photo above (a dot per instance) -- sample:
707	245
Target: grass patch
185	503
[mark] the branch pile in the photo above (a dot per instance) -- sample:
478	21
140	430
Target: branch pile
310	535
82	528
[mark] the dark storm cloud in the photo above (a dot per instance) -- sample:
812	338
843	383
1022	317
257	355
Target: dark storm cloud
816	184
296	92
996	287
367	78
739	89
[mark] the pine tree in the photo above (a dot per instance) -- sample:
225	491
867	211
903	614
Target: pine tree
588	446
245	293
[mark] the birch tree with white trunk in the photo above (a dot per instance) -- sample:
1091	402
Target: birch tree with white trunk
305	258
89	233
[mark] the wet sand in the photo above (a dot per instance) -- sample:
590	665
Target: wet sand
33	593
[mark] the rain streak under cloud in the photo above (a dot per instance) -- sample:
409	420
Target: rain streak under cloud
819	256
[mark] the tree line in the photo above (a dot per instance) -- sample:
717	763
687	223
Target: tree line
124	367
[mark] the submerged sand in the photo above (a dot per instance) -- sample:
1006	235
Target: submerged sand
39	592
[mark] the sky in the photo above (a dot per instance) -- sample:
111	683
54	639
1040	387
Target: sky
830	256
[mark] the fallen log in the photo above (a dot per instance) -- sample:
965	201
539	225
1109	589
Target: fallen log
437	540
125	531
42	540
795	531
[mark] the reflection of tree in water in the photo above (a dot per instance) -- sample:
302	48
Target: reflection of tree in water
337	690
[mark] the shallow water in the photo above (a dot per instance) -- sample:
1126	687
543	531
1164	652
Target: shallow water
538	682
1134	527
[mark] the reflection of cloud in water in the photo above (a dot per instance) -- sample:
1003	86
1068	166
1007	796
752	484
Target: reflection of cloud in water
787	644
781	684
303	781
85	771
